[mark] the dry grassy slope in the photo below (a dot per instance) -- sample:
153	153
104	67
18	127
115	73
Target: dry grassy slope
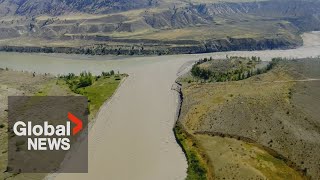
59	7
200	25
270	109
236	159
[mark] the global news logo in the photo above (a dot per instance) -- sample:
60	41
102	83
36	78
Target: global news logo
61	134
46	132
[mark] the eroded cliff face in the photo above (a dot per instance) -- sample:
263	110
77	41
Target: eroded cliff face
60	7
158	26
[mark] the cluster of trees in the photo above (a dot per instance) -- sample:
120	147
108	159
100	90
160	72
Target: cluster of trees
106	74
206	74
92	50
75	82
85	79
200	72
252	58
276	60
203	60
111	73
256	59
231	75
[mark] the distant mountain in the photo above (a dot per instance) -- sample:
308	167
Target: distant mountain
156	26
58	7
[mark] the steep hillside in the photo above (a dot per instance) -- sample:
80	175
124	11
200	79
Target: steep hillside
59	7
154	26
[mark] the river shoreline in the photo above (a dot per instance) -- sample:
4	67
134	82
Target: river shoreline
212	46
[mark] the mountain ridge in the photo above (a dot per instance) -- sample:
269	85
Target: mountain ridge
58	7
158	25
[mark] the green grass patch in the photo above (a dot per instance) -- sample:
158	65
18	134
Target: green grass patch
196	166
96	88
99	92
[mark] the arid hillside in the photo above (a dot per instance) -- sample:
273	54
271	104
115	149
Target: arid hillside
154	26
276	111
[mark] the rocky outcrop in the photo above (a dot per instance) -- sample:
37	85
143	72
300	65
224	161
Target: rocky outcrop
155	47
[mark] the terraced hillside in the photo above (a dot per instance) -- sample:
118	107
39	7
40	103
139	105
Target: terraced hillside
154	26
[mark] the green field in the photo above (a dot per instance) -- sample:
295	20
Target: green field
99	92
